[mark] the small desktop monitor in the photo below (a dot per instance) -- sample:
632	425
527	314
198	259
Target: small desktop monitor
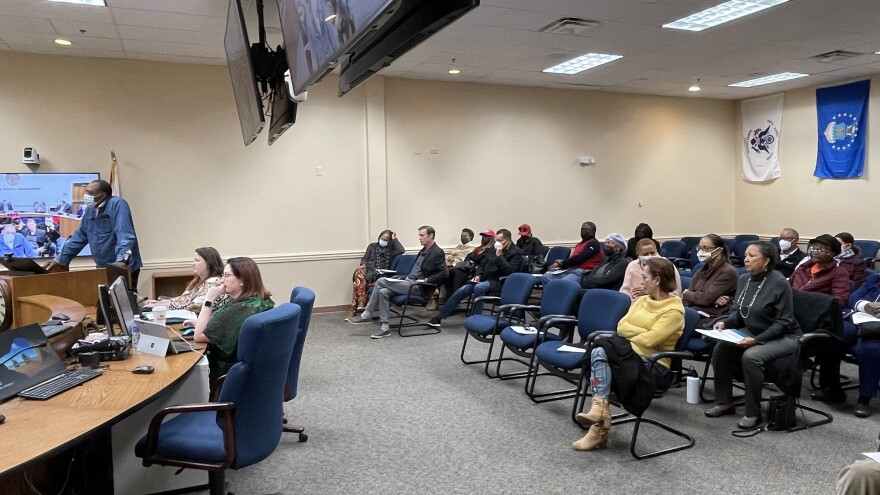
122	308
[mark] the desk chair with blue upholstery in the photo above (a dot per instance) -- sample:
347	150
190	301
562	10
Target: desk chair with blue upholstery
483	326
556	253
869	250
244	427
600	309
557	300
305	299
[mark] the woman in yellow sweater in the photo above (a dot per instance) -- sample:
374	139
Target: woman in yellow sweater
653	323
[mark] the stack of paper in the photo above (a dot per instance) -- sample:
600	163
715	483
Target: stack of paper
728	334
524	330
568	348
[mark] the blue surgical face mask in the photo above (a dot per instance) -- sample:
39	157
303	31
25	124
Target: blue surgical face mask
88	200
383	243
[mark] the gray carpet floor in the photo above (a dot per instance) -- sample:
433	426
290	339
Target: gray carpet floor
404	415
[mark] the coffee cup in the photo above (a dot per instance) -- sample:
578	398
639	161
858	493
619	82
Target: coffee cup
159	314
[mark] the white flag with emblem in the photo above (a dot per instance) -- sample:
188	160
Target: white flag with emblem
761	126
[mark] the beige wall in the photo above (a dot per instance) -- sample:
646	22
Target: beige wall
799	200
506	155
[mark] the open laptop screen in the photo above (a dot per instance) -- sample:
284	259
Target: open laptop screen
25	367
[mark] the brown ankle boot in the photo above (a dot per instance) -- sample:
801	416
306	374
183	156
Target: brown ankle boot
598	414
595	439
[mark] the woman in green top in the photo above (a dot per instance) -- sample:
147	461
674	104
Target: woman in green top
240	294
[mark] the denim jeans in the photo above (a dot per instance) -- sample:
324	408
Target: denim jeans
478	289
600	373
573	274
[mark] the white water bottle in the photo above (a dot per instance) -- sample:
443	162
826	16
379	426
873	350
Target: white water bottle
693	390
136	336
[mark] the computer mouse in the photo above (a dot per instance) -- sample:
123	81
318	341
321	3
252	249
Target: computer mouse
143	369
60	317
188	331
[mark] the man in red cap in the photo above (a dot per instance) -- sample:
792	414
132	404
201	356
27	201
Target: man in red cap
531	246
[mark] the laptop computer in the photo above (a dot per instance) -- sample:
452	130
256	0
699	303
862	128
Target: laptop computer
153	334
25	362
22	265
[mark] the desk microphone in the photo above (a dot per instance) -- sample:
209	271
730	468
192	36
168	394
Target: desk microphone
16	353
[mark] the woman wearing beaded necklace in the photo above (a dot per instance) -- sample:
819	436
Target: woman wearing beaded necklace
762	307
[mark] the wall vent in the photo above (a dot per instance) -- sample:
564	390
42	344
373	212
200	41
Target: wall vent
835	56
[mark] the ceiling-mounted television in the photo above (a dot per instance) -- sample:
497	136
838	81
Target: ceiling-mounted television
412	22
241	71
282	104
318	33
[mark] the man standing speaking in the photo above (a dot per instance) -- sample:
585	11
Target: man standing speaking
107	228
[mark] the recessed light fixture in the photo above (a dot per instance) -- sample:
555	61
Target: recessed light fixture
330	18
99	3
694	87
454	70
582	63
775	78
876	53
63	42
721	13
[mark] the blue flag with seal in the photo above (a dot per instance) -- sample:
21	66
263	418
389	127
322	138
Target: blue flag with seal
843	116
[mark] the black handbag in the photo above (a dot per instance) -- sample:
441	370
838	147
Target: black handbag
781	413
536	264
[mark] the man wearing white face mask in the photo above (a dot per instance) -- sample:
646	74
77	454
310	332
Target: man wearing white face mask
790	255
107	228
505	259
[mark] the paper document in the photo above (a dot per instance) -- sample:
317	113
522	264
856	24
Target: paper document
524	330
385	272
568	348
703	314
859	317
561	270
872	455
177	314
728	334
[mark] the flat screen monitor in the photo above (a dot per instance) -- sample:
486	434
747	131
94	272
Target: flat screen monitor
241	71
51	203
283	106
122	305
413	22
317	33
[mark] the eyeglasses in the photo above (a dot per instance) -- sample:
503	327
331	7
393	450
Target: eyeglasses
819	250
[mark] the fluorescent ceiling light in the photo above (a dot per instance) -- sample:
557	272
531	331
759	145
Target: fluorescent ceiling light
63	42
775	78
721	13
582	63
99	3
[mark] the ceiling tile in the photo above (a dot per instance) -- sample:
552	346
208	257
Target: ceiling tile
170	35
163	48
168	20
92	29
13	24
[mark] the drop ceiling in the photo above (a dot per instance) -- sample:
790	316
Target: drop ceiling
500	42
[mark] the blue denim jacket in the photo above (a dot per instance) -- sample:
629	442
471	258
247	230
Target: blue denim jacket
21	248
109	231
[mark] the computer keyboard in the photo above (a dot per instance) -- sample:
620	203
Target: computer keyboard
61	383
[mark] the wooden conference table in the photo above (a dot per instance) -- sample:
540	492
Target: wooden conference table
36	430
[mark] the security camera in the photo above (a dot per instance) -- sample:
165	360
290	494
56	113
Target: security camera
30	156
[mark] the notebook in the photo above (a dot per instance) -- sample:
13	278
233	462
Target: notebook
27	360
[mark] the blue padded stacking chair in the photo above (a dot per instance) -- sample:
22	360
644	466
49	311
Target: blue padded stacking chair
600	309
244	427
483	327
557	253
305	299
557	300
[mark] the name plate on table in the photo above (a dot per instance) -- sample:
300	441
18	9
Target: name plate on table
153	345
